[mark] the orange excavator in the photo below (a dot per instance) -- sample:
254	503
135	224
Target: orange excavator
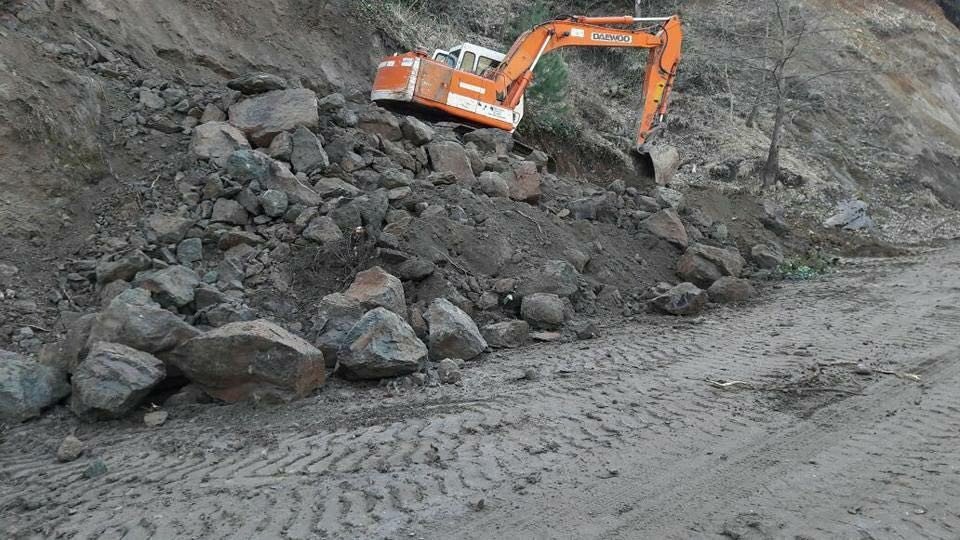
486	88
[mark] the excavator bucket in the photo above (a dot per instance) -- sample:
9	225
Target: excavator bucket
658	163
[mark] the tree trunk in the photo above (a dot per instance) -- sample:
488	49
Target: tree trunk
771	169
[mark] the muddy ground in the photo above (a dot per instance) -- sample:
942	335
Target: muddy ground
619	437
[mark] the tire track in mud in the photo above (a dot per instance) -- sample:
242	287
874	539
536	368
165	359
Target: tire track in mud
637	391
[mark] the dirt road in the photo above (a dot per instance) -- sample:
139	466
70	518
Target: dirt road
620	437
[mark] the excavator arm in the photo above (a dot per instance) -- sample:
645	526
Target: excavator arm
664	41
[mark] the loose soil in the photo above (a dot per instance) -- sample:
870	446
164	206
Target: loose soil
619	437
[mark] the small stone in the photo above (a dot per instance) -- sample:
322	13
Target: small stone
531	374
155	418
190	251
449	371
274	202
257	83
70	449
96	469
863	369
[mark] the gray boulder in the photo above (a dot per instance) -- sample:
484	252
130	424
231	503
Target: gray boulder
248	165
666	225
556	277
27	387
506	334
450	156
262	117
113	380
336	316
604	208
380	345
297	189
543	310
669	198
702	264
494	184
124	268
281	147
323	230
251	359
134	320
851	215
416	131
274	202
257	83
766	257
378	288
171	287
453	334
525	183
491	140
684	299
229	211
167	229
215	141
380	122
731	290
308	154
190	251
415	269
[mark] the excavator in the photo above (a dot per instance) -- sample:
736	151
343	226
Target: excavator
486	88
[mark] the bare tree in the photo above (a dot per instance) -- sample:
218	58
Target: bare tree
788	36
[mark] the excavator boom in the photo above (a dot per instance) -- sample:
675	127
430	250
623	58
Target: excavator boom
493	97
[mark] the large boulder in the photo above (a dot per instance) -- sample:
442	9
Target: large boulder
453	334
262	117
134	320
257	83
248	165
251	359
604	208
113	380
494	184
491	140
702	264
543	310
731	290
765	256
378	288
27	387
336	316
308	154
297	190
556	277
506	334
416	131
229	211
167	229
666	225
380	122
323	230
851	215
380	345
171	287
215	141
122	268
66	355
684	299
525	183
450	156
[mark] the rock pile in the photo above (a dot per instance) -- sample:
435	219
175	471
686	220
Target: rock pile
214	289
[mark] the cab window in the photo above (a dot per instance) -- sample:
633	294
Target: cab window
486	63
469	61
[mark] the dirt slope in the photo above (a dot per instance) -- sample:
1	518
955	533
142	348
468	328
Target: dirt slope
619	438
